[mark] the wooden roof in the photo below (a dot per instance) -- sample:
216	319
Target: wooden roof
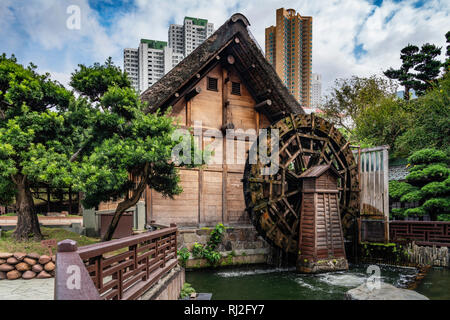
317	171
232	39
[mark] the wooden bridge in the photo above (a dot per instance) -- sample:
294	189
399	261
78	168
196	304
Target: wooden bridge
121	269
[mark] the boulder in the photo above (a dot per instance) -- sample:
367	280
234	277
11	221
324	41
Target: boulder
6	267
5	255
43	275
54	258
12	260
2	275
385	292
30	261
20	255
22	266
34	255
44	259
50	266
37	268
28	275
13	275
2	261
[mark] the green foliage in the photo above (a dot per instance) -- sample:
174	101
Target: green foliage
350	96
94	81
183	255
187	290
124	144
397	189
208	251
419	69
426	156
428	184
216	236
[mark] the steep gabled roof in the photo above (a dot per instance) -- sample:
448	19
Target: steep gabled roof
232	39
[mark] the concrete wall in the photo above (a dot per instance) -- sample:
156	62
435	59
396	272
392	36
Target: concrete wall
168	288
248	246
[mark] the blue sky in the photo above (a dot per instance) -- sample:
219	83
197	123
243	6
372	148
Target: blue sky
350	37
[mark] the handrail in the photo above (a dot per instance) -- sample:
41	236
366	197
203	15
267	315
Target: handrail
118	269
427	233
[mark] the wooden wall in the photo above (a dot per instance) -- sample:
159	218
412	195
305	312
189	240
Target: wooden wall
213	193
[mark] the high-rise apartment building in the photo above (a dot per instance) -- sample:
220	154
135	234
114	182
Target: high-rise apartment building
316	90
149	63
185	38
153	59
289	50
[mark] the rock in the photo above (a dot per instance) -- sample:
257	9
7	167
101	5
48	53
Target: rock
385	292
30	261
22	266
13	275
37	268
6	267
44	259
12	260
34	255
20	255
54	259
2	261
50	266
2	275
5	255
28	275
43	275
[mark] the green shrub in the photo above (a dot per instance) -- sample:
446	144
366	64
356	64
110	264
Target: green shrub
426	156
187	290
197	250
183	256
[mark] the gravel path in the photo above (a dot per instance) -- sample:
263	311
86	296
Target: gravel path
35	289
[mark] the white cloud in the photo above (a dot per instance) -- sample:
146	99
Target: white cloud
337	27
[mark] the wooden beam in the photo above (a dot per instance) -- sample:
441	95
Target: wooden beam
260	106
191	94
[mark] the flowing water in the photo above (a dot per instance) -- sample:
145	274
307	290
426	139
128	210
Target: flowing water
264	282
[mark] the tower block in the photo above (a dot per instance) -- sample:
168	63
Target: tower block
321	240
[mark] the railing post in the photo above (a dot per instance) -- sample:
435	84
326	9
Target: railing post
72	281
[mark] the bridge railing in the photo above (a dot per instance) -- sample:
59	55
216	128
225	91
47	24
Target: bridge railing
427	233
121	269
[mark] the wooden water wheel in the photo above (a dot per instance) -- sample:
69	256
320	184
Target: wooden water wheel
274	201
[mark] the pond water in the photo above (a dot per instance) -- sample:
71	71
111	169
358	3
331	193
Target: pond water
264	283
436	284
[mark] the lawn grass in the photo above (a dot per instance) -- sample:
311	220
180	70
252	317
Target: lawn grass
8	244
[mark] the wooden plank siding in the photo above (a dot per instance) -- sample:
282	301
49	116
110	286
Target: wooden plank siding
213	193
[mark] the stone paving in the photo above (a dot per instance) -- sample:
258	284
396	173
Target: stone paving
36	289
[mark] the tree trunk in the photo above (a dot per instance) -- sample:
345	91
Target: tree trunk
27	220
126	204
406	93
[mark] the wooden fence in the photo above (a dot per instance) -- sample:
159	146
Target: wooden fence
426	233
121	269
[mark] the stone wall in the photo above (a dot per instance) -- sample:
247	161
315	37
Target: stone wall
240	245
424	255
168	287
26	266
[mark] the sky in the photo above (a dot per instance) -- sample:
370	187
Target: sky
350	37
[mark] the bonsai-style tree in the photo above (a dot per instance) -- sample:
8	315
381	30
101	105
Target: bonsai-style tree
427	184
419	69
128	149
37	136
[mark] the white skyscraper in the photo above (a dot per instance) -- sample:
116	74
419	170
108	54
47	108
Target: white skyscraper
153	59
316	92
185	38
